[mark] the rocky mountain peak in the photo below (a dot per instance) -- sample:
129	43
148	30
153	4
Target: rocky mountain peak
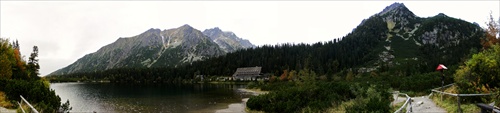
186	33
215	29
213	32
153	30
398	17
397	9
442	14
186	27
394	6
227	40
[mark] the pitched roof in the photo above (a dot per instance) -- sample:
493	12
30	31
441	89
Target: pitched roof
247	71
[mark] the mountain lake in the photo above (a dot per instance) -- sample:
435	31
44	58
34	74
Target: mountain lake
188	98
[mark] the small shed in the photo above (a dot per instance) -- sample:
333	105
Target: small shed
247	73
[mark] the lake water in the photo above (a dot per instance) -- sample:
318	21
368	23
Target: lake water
108	97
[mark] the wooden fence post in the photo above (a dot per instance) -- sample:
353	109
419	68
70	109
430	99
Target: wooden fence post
411	107
458	101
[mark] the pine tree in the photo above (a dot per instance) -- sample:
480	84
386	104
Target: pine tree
33	63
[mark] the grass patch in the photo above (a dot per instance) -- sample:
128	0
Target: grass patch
340	108
4	102
449	103
397	106
416	94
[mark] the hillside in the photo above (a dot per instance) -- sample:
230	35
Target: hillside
410	39
393	40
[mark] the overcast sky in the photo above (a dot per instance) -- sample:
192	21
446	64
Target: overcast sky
67	30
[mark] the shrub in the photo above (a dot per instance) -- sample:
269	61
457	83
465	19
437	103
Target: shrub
293	98
254	84
372	99
480	74
35	92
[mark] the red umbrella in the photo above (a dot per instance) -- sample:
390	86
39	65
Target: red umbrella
441	67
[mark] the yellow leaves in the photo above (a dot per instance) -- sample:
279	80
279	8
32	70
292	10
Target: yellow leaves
6	55
292	75
483	89
5	67
19	62
3	100
452	89
481	73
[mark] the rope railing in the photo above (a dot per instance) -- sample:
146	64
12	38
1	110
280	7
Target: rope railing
457	95
408	101
33	110
449	85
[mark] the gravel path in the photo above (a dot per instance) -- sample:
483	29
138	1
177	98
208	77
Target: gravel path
397	99
424	104
5	110
420	104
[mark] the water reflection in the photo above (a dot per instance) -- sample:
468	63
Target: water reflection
108	97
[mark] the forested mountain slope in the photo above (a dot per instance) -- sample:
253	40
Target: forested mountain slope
394	39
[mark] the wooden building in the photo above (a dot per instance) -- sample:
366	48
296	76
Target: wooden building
247	73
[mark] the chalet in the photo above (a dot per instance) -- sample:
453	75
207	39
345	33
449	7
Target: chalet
247	73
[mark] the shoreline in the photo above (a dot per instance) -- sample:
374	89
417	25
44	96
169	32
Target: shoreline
241	107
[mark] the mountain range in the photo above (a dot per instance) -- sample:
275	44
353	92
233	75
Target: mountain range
159	48
394	40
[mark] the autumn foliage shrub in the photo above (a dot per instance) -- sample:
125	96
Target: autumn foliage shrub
480	74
